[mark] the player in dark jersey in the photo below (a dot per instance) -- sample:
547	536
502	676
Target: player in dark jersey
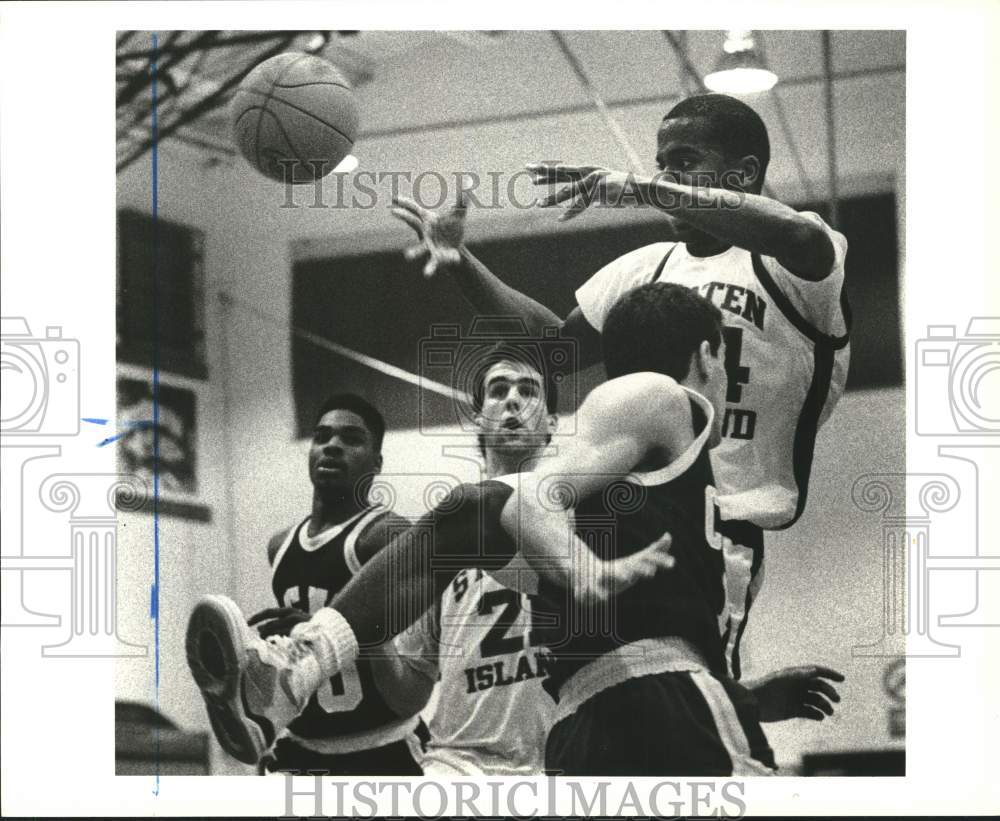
346	728
640	677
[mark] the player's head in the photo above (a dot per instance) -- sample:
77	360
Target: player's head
346	448
514	400
668	328
717	136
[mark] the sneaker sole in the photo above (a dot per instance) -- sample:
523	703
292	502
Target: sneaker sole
216	654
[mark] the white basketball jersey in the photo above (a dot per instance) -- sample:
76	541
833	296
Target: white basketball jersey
491	715
786	356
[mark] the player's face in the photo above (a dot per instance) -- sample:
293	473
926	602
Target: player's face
685	153
514	412
342	451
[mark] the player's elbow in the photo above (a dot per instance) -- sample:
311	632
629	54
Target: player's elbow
807	250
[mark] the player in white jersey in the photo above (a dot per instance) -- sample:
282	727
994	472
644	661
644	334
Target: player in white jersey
491	715
776	274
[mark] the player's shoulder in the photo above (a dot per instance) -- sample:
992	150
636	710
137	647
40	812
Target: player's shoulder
645	405
637	394
276	541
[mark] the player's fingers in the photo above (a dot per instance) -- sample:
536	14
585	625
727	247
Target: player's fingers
431	267
820	703
657	555
557	172
412	206
577	207
411	220
561	195
827	672
806	711
415	252
824	687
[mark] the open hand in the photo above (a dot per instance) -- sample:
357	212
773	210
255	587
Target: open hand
440	234
618	575
587	185
796	692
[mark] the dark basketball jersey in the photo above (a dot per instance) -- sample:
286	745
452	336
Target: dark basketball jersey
685	601
307	573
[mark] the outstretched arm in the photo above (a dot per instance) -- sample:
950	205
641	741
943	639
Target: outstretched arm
751	221
617	426
441	246
400	582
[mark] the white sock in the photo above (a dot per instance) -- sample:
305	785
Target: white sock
332	638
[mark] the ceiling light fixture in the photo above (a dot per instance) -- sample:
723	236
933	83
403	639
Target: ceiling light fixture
740	69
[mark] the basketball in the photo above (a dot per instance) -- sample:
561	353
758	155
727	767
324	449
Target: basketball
294	117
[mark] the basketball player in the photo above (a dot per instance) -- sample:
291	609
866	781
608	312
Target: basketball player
777	275
466	529
310	563
647	695
491	716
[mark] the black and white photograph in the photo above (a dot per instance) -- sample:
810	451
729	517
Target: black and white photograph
430	252
555	408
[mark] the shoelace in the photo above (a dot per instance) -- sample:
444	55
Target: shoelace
293	649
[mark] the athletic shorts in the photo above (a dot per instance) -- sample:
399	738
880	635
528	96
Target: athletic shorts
397	758
667	724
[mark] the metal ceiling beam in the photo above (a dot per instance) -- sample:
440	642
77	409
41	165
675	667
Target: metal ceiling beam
204	105
140	80
831	134
184	49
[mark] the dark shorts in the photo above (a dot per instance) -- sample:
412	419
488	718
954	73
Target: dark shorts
667	724
392	759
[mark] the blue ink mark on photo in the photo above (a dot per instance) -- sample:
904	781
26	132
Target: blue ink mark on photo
142	424
155	598
93	421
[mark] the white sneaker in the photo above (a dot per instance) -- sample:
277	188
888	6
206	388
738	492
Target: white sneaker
252	688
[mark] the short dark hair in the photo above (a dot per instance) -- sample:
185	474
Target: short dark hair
657	327
525	353
362	407
730	124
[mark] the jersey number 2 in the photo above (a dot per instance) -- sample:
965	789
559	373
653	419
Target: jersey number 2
497	642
